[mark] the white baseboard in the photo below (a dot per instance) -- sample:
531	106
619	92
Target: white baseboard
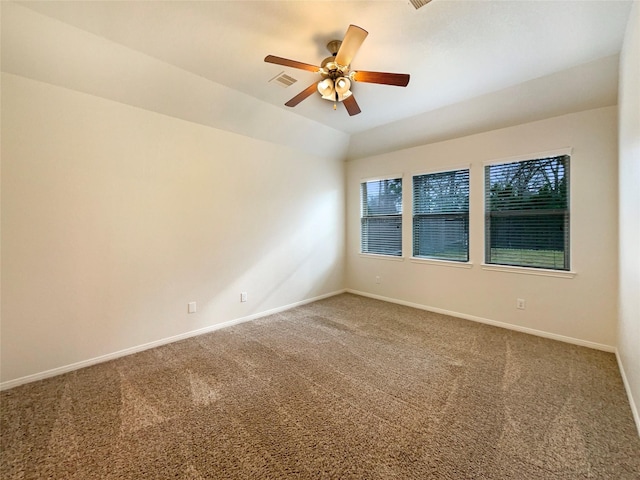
157	343
495	323
627	387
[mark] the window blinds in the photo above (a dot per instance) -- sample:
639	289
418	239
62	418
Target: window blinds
441	215
381	217
527	213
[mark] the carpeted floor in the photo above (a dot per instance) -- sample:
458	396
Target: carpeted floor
344	388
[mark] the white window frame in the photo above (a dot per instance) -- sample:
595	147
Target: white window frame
530	270
438	261
382	256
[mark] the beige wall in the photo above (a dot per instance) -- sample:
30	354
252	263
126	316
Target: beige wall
114	217
581	309
629	327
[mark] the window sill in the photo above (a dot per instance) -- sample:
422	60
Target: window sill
382	257
442	263
542	272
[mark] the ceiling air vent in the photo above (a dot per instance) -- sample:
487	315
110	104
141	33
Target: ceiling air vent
419	3
283	80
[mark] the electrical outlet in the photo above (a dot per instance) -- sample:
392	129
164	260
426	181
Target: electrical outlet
191	307
243	296
378	279
520	304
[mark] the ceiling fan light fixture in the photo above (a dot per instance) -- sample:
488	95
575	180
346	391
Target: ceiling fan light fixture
342	85
335	91
341	96
326	88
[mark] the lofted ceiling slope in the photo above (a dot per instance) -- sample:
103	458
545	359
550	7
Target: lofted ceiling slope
455	51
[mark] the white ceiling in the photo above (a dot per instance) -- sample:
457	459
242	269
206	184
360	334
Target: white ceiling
454	50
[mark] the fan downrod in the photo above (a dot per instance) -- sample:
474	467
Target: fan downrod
331	69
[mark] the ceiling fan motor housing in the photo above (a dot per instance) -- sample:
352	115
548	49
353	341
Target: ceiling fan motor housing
331	69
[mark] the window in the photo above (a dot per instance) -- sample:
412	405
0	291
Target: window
381	217
441	215
527	213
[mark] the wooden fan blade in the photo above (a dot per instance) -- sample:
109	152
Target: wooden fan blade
350	45
307	92
351	105
291	63
397	79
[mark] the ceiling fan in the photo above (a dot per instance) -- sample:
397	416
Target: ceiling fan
336	72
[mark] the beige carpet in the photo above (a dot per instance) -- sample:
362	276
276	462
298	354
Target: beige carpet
343	388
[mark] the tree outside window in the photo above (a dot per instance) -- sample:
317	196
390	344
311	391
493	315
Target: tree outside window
527	213
381	217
